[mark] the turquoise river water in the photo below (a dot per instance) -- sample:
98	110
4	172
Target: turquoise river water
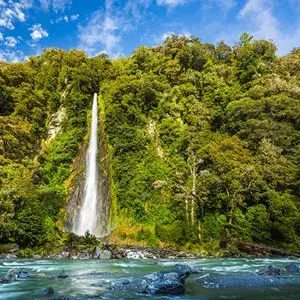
89	279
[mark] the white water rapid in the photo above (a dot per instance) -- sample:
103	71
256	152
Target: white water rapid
87	220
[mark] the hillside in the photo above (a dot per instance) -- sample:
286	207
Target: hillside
202	140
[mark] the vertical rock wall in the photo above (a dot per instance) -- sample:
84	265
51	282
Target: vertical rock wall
76	184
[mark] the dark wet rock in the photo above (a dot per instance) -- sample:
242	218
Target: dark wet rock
63	298
292	268
125	281
232	281
48	291
164	282
165	288
14	274
187	268
62	275
269	271
244	280
97	285
96	252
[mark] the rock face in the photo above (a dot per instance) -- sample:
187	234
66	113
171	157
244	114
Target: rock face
77	185
14	274
158	283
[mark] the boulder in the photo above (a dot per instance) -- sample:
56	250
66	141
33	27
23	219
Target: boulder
14	274
244	281
10	256
61	275
105	254
165	288
158	283
36	256
233	281
292	268
135	255
48	291
63	298
269	271
96	252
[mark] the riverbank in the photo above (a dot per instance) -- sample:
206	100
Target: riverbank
113	251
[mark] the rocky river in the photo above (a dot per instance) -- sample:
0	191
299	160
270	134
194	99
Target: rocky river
173	278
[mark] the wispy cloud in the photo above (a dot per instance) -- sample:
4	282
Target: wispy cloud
262	23
259	13
100	34
12	11
172	3
12	56
38	32
224	5
56	5
10	41
65	18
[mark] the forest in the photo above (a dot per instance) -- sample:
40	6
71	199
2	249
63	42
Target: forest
203	139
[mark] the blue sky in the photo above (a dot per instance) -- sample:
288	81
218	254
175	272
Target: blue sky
117	27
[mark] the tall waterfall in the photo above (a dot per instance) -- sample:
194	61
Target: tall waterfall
87	219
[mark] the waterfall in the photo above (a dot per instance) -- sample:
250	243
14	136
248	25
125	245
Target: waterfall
87	219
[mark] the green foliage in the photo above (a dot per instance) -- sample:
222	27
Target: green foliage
204	142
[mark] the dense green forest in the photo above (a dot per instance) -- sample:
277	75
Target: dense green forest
204	142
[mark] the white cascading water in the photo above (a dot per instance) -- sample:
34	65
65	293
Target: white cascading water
88	213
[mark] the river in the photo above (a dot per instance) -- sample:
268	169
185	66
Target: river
89	279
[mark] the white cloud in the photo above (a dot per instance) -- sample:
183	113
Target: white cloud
224	5
100	32
65	18
1	36
162	37
12	11
74	17
12	56
259	12
10	41
38	32
262	23
171	3
56	5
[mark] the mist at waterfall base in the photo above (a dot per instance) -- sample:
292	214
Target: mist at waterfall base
90	279
87	219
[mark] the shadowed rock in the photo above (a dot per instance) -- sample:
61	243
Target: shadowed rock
269	271
158	283
244	280
14	274
292	268
48	291
62	275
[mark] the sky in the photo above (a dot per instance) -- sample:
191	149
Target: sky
117	27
